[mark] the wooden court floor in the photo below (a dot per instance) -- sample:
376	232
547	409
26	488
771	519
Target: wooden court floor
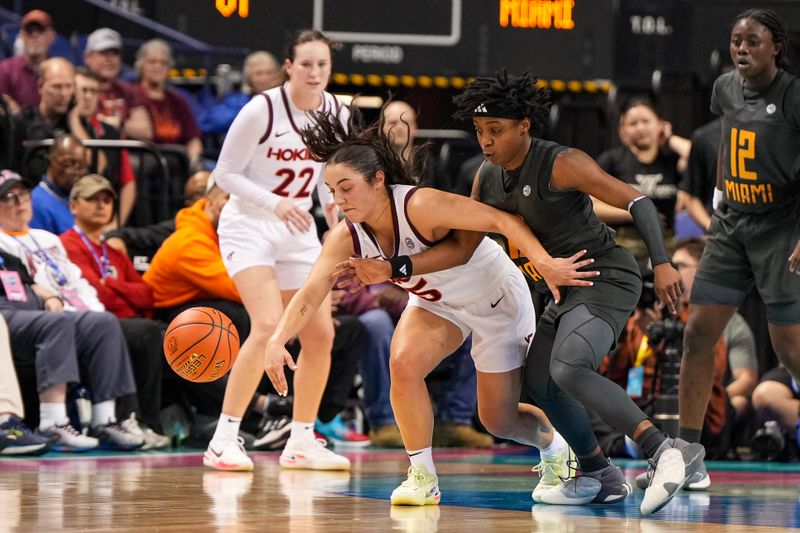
482	491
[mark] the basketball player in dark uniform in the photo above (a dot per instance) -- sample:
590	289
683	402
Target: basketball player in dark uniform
548	185
755	229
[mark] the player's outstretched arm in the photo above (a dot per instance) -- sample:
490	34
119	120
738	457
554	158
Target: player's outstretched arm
436	209
338	246
574	170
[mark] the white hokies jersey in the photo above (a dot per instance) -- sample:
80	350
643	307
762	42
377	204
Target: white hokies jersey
456	286
281	163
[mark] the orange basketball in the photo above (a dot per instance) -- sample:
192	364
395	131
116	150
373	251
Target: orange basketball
201	344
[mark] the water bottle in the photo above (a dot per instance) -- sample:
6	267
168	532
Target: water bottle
83	405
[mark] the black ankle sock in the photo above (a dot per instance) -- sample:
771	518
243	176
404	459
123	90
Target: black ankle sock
593	463
649	440
689	434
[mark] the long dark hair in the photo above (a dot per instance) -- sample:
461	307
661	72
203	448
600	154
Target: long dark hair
778	29
363	148
507	93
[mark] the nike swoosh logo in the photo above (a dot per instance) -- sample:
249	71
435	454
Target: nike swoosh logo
215	452
413	454
281	134
498	301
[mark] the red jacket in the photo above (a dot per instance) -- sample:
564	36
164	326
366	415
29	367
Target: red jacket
123	292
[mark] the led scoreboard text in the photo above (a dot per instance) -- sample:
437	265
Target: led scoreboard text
537	14
229	7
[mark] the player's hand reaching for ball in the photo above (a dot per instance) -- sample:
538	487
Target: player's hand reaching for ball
669	286
275	358
296	219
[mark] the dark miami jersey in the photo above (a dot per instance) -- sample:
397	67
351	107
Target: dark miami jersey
760	141
564	221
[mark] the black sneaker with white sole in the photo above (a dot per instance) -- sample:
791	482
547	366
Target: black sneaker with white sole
272	433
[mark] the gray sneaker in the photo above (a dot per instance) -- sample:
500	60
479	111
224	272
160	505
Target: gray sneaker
698	481
606	486
116	436
673	464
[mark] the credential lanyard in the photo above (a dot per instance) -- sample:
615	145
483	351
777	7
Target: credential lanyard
103	264
60	277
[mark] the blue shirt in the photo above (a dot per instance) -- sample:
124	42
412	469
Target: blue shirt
51	208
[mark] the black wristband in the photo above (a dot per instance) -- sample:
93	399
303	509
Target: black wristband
401	266
645	216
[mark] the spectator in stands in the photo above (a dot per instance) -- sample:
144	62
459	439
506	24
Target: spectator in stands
776	400
120	104
261	72
19	75
650	159
15	437
172	118
187	270
67	164
85	122
121	291
142	243
49	118
84	337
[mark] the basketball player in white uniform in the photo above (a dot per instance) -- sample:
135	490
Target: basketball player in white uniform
487	296
269	242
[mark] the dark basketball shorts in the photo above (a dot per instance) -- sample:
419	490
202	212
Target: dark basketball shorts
751	249
781	375
613	297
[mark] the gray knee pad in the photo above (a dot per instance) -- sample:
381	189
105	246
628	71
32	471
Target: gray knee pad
582	341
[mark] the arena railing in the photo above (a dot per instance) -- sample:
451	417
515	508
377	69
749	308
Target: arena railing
159	189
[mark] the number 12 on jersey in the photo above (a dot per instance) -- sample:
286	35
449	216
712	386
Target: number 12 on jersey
743	147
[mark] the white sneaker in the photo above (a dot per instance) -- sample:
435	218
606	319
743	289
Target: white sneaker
227	454
420	488
65	438
312	455
152	440
552	471
674	463
699	481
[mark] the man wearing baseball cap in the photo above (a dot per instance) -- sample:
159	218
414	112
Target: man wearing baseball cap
19	75
121	290
120	106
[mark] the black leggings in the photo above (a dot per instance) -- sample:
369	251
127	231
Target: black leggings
561	377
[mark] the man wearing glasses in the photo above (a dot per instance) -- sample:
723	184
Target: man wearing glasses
66	165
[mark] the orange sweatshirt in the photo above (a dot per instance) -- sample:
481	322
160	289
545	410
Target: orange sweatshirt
188	266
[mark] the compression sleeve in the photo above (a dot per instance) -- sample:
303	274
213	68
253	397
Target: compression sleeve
645	216
240	143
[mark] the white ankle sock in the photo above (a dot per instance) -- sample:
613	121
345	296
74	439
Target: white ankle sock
103	413
422	457
559	445
227	427
302	431
51	414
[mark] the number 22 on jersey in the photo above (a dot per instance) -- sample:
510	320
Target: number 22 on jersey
289	177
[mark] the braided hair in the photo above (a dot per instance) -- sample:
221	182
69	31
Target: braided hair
778	29
365	149
505	96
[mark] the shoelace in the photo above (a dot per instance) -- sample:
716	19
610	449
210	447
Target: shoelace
71	430
651	470
131	425
415	477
